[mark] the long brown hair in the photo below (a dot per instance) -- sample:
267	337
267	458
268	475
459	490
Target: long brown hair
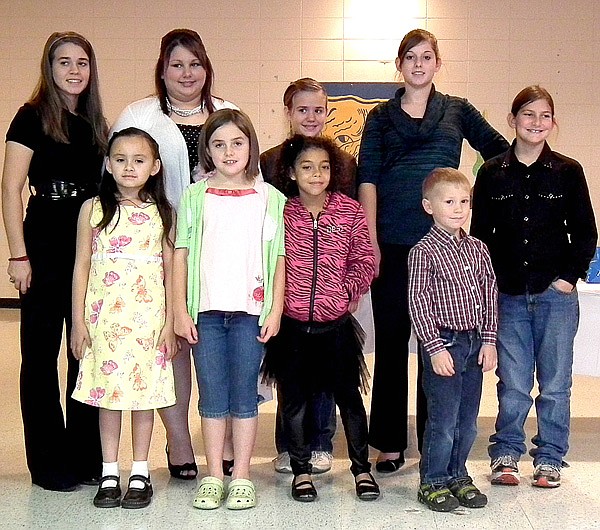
46	98
191	41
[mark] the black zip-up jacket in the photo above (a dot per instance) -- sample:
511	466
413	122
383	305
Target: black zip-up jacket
537	220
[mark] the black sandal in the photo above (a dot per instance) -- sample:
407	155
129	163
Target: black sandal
180	471
136	497
303	494
109	497
367	489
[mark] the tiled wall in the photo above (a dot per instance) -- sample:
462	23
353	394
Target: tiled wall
490	48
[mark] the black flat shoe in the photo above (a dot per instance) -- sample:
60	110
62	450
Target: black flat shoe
136	497
303	494
179	471
389	466
228	467
367	489
109	497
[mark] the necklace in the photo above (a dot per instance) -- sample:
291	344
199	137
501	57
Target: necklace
184	113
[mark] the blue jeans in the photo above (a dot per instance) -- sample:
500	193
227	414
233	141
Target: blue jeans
535	333
452	408
322	423
227	360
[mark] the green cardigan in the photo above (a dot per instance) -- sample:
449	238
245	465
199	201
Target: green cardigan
189	235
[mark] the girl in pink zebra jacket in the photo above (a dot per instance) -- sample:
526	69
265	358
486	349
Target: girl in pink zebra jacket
329	266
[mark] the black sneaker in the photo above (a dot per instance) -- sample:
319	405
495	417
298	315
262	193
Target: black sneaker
437	497
467	493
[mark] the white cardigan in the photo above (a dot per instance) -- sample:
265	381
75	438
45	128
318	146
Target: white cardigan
147	115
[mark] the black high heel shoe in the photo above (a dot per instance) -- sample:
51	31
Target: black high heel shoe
180	471
389	466
228	467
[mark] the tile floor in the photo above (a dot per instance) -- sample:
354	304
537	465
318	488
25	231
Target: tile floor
575	505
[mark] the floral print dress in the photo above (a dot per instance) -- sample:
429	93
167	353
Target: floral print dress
125	313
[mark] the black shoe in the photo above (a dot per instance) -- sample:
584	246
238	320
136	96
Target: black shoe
467	493
56	482
109	497
136	497
367	489
228	467
303	494
389	466
179	471
437	497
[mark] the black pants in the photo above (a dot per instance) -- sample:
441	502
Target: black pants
321	423
340	352
55	449
297	398
388	429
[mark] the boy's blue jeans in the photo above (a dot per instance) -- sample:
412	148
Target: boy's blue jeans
535	333
452	408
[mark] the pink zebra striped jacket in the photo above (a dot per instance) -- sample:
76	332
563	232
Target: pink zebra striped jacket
329	259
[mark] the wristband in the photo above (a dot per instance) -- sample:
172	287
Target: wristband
20	258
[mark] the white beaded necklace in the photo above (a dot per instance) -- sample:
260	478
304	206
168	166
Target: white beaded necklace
184	113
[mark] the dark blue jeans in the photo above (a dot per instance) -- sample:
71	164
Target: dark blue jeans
535	335
452	407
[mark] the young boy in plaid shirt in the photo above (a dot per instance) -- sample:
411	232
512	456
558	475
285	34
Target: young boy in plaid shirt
452	305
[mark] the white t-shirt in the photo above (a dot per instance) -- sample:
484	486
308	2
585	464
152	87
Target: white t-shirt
231	257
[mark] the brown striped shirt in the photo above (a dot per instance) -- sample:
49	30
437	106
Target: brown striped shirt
451	286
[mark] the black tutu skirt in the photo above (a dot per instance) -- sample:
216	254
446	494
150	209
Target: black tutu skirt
321	355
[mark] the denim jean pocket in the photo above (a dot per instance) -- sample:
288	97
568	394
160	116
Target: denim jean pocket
448	338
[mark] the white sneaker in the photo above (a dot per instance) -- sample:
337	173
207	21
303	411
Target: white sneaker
321	461
281	463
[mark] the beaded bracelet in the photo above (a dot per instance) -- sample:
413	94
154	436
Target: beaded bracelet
20	258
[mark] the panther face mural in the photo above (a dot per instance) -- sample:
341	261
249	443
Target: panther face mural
346	121
349	104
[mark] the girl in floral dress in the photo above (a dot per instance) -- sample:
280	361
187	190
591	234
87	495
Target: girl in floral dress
122	321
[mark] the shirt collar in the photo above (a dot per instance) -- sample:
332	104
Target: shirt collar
440	235
545	158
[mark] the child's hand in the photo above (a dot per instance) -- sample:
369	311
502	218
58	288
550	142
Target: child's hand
442	363
168	343
563	286
80	339
185	328
270	328
488	357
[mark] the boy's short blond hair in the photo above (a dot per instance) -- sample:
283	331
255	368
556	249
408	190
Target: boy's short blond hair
443	175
